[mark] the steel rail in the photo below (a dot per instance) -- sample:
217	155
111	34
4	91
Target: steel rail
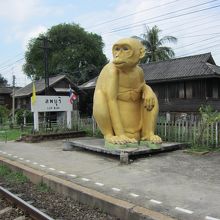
31	210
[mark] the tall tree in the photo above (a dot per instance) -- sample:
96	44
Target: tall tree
3	81
155	48
72	50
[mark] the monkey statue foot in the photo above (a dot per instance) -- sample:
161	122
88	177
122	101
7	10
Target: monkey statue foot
122	139
152	138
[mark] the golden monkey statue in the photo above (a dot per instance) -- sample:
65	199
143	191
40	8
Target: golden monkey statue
125	108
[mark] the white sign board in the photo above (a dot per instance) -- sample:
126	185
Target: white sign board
51	104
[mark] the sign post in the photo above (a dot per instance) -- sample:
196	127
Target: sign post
51	104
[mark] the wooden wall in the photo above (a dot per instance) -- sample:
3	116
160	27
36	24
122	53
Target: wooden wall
188	96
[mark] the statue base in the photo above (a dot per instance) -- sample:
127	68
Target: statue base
125	152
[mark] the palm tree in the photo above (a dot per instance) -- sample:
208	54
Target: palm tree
155	46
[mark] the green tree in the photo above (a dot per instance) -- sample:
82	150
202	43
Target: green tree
155	49
72	51
3	81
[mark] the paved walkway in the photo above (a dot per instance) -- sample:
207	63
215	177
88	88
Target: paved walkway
175	183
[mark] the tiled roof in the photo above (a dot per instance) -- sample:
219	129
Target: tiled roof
90	84
197	66
7	90
39	85
191	67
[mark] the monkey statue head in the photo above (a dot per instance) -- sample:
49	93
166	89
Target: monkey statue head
127	53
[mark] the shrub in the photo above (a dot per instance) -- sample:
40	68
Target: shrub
20	116
4	114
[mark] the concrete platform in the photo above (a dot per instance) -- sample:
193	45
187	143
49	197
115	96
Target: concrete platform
174	185
98	145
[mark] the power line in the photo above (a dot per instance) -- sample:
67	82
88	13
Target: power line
182	36
183	24
8	60
9	65
205	9
128	15
199	35
169	13
191	26
210	44
201	49
177	48
207	28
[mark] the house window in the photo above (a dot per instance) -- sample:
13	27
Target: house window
2	100
181	86
198	89
212	88
173	90
215	89
188	90
160	91
219	89
19	103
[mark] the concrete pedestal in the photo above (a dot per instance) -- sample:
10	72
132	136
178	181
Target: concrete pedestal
98	145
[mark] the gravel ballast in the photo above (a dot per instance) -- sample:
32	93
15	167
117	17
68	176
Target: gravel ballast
53	204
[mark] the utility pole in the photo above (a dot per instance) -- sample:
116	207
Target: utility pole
46	77
13	99
46	49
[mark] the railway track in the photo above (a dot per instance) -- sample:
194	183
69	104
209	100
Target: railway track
21	209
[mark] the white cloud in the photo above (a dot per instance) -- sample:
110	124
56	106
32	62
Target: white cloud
32	34
16	10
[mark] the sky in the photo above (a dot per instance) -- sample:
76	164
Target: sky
195	23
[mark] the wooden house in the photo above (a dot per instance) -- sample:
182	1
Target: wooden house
58	86
6	96
182	85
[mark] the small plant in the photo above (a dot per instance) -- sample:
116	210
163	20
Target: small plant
42	187
4	171
21	113
12	176
208	117
16	177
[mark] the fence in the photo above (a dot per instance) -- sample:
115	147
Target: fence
191	132
179	131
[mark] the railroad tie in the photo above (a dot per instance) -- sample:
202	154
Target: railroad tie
20	218
5	210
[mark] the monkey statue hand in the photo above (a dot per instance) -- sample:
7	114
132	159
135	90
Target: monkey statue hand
149	99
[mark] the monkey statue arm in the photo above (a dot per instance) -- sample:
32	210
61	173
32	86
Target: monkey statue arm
148	95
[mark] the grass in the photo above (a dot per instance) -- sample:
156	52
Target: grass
11	134
202	149
12	176
42	187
